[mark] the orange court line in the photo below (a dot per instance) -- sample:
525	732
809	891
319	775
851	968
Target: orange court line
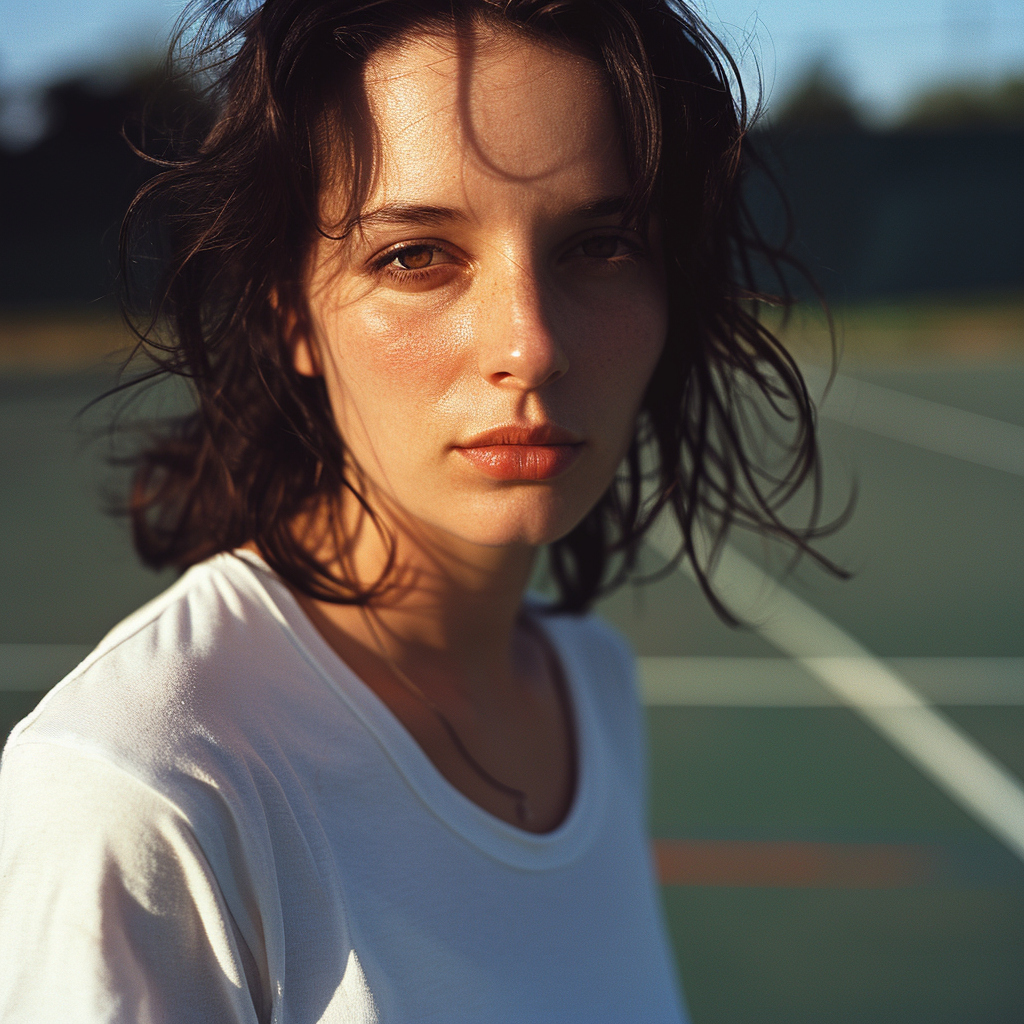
794	864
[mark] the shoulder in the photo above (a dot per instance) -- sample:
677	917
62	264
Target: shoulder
601	652
601	669
165	792
175	689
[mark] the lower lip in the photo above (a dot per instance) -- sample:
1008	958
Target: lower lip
522	461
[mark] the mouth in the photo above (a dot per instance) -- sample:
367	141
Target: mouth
540	452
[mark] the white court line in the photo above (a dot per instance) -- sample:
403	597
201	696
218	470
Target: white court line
715	681
29	667
755	682
943	751
917	421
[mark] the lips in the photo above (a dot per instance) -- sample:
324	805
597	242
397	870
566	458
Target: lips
540	452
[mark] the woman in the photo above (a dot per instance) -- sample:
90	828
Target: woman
451	282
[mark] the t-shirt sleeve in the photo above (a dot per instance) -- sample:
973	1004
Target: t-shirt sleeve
109	911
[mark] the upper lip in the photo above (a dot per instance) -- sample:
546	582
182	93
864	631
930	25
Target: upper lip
538	434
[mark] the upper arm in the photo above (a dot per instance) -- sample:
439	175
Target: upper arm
109	910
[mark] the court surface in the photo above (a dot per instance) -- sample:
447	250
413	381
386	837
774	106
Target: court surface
814	869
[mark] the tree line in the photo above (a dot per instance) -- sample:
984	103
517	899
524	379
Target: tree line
930	204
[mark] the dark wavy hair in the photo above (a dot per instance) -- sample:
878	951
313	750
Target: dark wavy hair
215	249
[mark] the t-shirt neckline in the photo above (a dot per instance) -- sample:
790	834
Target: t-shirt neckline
498	839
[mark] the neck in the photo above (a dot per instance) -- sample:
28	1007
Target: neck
451	608
479	691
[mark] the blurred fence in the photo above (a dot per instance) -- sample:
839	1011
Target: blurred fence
888	215
878	214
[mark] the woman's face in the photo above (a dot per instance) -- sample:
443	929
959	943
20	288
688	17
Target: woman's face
487	331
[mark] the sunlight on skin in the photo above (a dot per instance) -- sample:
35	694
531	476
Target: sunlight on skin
491	284
510	324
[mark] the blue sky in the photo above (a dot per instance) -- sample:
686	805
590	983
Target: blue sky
886	49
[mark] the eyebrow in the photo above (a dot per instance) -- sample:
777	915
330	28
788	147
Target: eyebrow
392	214
407	213
605	207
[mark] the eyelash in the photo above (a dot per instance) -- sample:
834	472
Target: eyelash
631	248
384	264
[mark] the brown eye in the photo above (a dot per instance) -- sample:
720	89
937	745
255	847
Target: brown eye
602	247
417	258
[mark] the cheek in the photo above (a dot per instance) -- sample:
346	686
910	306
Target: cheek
380	354
625	341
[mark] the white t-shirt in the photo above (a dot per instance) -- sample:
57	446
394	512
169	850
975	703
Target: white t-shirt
212	819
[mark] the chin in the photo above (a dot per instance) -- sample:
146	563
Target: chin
531	519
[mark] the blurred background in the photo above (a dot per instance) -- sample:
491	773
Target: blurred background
817	864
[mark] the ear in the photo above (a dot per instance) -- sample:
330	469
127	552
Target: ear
298	335
305	358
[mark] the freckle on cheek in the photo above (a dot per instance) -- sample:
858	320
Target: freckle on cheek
405	357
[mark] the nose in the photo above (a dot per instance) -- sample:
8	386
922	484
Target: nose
520	344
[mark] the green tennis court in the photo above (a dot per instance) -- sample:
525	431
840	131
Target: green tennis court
813	870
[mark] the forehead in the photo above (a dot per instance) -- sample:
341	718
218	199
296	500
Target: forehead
491	104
